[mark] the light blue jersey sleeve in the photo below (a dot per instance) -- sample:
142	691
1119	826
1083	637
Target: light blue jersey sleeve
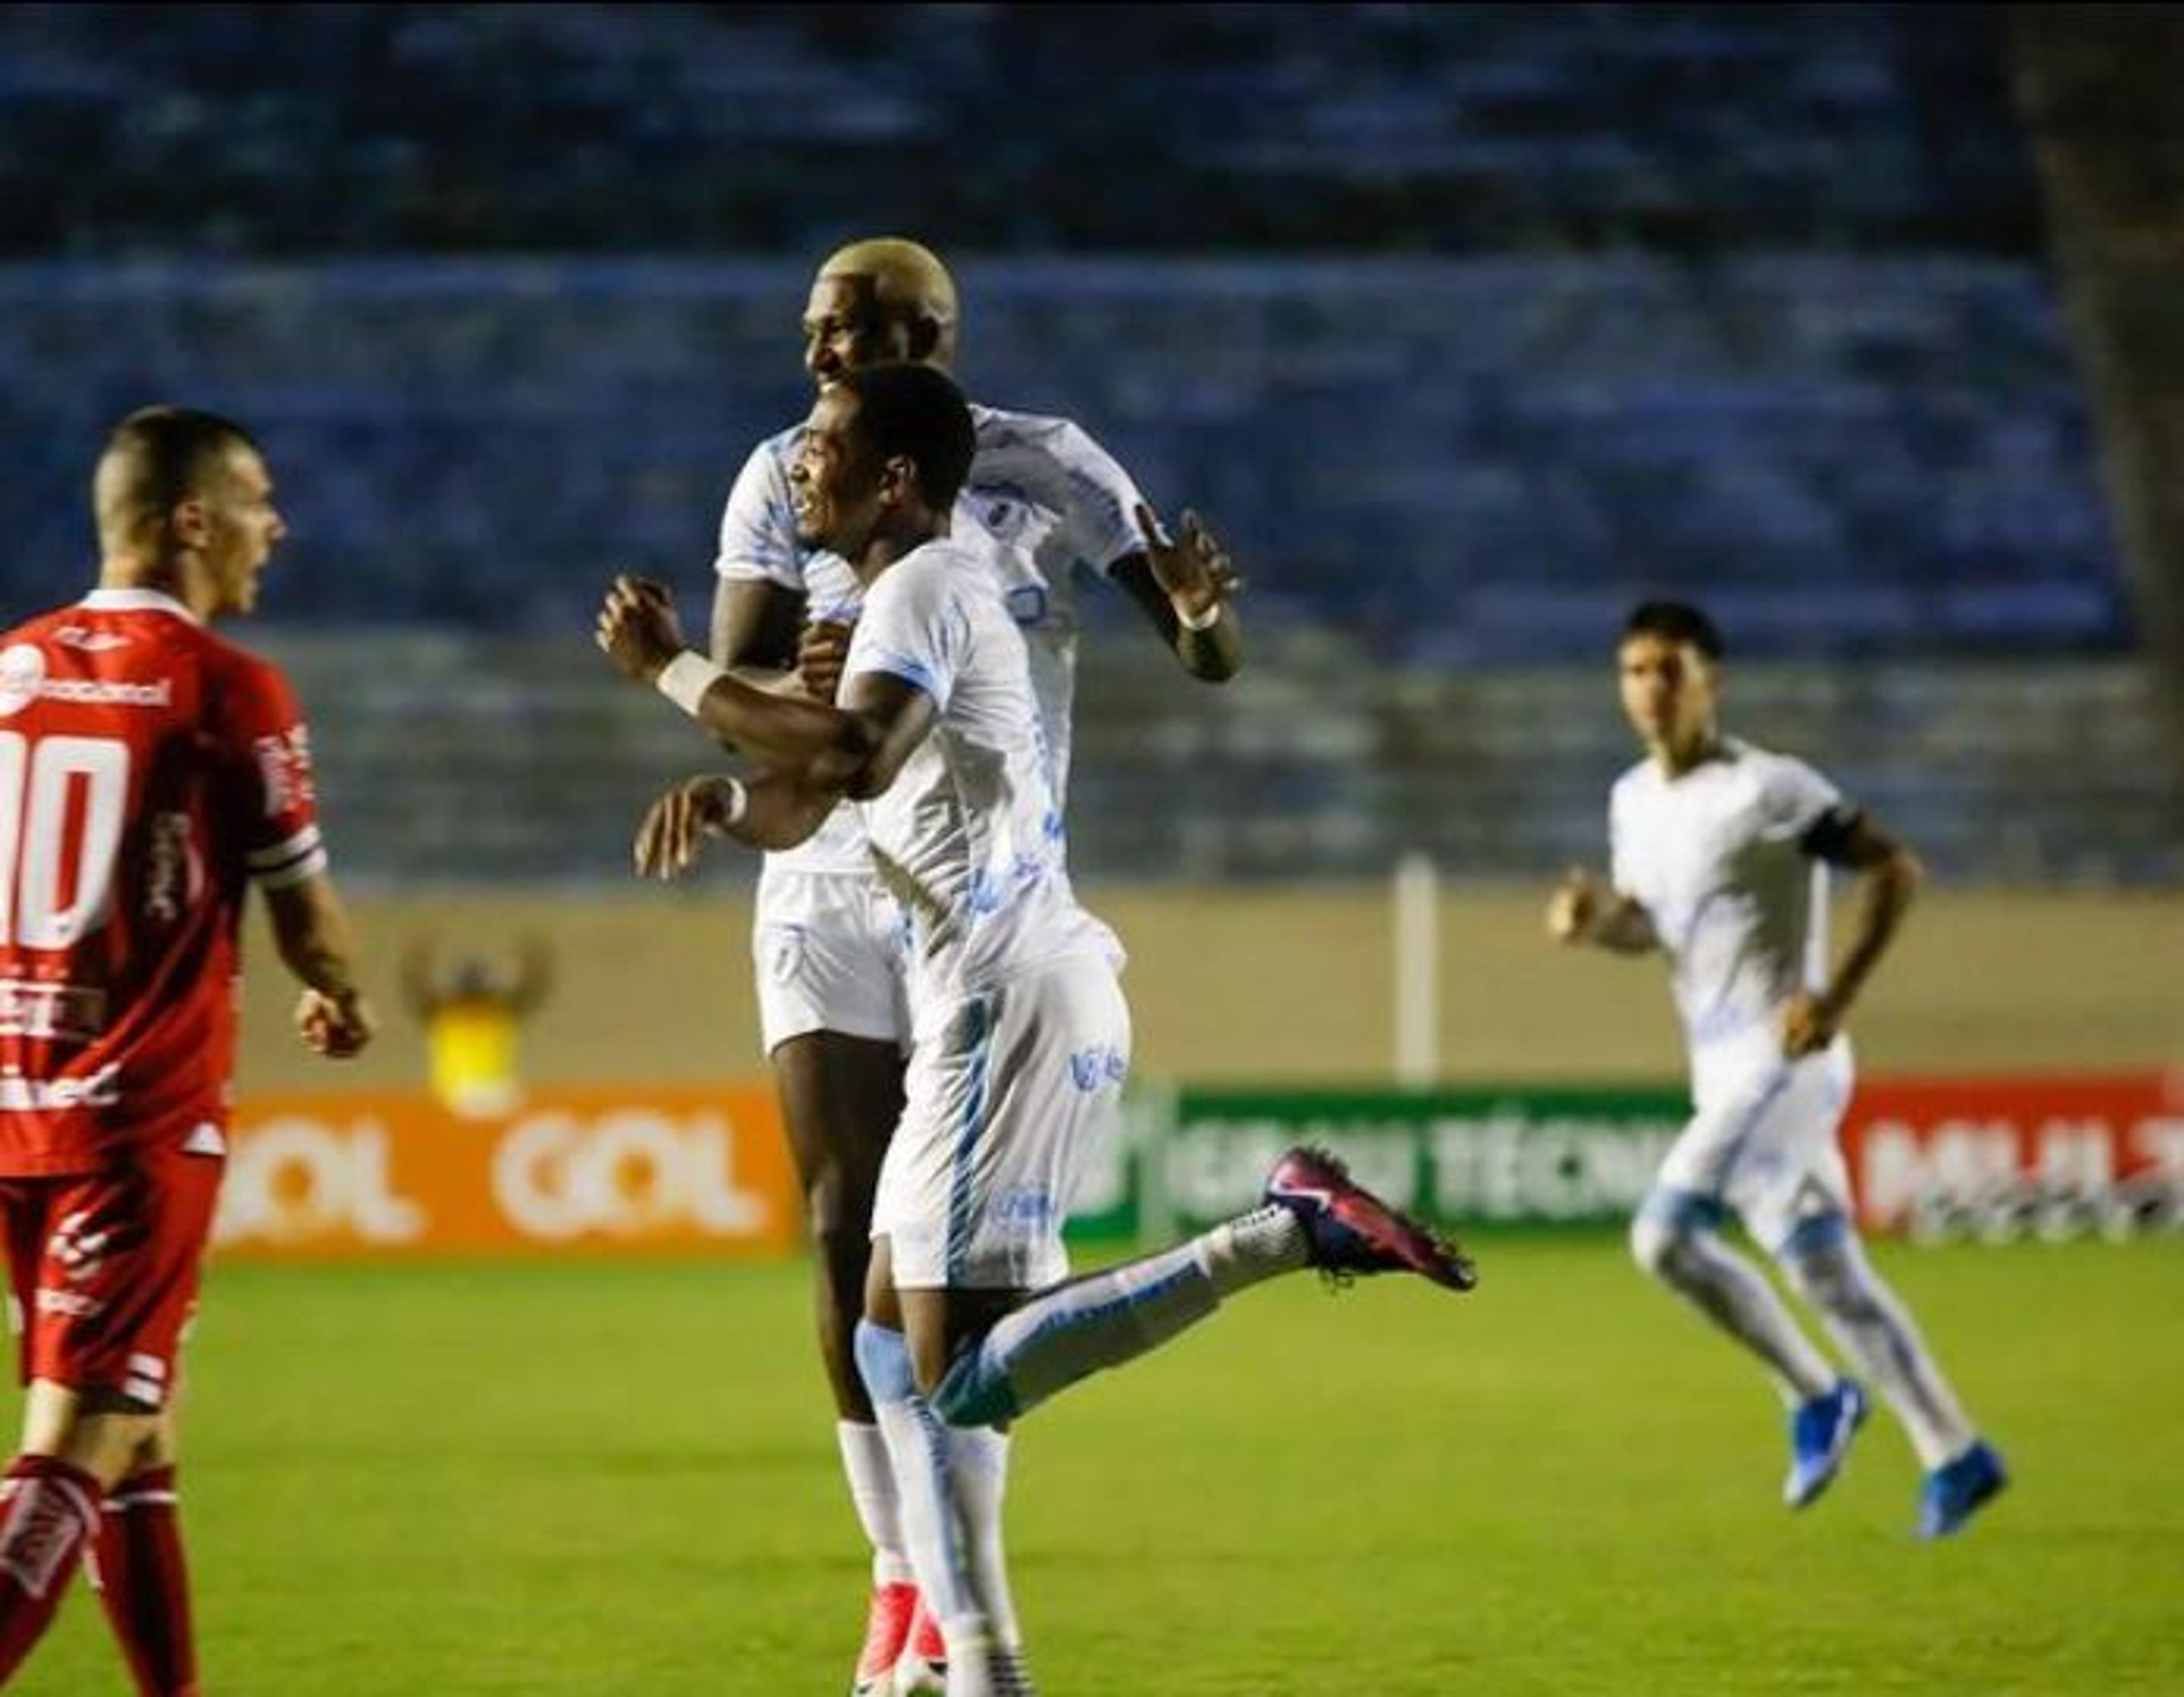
914	626
758	526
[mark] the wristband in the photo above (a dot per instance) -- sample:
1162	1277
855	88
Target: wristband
738	803
1205	620
685	679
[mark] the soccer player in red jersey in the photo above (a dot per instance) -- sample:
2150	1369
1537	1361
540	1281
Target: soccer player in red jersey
150	771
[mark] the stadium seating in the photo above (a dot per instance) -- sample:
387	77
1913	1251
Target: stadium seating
1466	462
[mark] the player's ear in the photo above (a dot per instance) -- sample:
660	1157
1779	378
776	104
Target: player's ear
898	479
924	338
189	521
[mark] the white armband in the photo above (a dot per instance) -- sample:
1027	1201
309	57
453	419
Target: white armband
685	679
1205	620
738	803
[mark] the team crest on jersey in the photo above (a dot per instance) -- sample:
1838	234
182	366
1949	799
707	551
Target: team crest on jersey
22	672
784	952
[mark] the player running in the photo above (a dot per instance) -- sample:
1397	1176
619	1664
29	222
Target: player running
1022	1038
149	772
1721	858
826	943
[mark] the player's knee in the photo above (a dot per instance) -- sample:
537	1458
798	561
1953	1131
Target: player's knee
1658	1244
1822	1262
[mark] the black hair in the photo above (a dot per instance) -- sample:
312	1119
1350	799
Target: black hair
916	412
1674	621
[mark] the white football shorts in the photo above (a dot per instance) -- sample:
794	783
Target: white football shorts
828	948
1007	1105
1763	1139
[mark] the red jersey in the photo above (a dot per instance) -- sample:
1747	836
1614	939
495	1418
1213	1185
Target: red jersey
148	773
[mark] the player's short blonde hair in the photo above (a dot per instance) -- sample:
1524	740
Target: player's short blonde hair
907	276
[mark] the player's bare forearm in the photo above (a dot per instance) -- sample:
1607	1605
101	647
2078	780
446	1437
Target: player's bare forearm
829	746
755	627
311	930
1888	885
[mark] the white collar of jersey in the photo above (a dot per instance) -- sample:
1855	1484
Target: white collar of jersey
138	601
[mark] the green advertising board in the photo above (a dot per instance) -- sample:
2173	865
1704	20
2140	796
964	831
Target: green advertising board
1531	1156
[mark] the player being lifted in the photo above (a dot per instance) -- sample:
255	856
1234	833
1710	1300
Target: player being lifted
1022	1038
149	773
1721	853
826	943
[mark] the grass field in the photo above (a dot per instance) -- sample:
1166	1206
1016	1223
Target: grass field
606	1481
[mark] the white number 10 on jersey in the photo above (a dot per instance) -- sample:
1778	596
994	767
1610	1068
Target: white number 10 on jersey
36	781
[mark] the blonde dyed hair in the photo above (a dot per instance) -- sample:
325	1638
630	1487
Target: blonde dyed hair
907	277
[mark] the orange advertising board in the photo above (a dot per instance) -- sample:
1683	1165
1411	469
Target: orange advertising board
1931	1153
603	1171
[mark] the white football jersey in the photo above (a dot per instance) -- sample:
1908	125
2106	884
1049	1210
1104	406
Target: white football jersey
1043	500
1718	858
969	837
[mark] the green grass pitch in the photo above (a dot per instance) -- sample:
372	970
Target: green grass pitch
575	1479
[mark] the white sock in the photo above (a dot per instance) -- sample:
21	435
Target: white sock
980	1474
1736	1297
1870	1323
872	1488
933	1529
1073	1330
1239	1253
922	1458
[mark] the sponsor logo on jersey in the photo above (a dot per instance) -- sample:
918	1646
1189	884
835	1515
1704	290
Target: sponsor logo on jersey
76	1011
22	669
23	680
20	1095
67	1304
1103	1064
284	766
91	691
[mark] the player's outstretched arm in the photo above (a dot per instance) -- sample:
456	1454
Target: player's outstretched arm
1186	588
1584	909
311	930
1889	876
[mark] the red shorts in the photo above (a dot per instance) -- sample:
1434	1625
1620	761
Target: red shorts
105	1269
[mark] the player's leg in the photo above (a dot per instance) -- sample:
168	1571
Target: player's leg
1055	1103
1676	1239
138	1563
105	1269
830	1017
76	1442
140	1570
1804	1211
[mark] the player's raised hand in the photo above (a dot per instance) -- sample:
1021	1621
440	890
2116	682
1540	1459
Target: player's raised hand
1193	573
676	827
638	629
822	651
336	1027
1576	902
